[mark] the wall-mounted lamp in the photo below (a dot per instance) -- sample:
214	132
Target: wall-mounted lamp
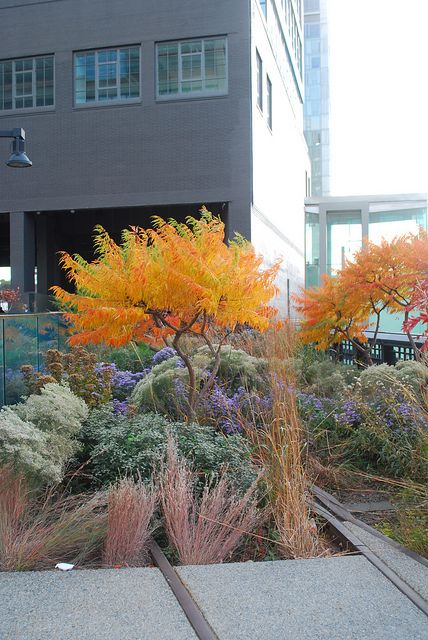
18	158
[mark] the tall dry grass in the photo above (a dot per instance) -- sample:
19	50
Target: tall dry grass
207	532
280	449
130	512
36	532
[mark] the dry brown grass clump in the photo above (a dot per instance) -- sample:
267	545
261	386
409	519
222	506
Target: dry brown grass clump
208	531
281	452
130	511
36	532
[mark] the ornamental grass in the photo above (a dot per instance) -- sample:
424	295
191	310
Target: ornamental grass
280	450
206	531
130	512
37	531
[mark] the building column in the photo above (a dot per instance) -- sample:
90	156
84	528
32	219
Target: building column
238	219
323	239
365	220
22	252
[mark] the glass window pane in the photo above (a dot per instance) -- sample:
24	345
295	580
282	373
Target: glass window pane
191	47
6	85
167	66
386	225
344	238
259	81
312	249
195	66
116	71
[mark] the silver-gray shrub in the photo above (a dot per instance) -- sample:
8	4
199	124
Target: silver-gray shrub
407	375
38	436
158	390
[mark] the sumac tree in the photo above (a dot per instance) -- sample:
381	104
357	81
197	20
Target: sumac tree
168	282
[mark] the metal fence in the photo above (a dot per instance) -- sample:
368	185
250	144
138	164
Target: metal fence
385	351
24	338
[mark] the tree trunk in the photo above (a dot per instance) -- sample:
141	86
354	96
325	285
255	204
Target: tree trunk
192	396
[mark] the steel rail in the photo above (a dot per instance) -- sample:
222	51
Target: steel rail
342	512
185	600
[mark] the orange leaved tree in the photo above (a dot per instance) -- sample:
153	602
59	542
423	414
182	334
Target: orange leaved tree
331	315
167	282
389	277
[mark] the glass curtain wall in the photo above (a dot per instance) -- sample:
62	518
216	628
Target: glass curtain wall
344	238
312	249
386	225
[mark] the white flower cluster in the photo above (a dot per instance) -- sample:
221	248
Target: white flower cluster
37	435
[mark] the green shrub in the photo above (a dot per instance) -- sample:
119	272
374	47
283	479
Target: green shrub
122	445
38	436
328	378
158	390
396	451
128	358
317	373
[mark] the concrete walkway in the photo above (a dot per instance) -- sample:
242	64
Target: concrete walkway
409	570
320	599
108	604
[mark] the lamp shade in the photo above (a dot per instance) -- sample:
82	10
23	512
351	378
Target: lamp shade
19	160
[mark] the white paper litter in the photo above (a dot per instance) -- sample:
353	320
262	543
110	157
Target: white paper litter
64	566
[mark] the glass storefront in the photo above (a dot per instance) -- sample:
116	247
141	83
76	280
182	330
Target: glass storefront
344	238
312	249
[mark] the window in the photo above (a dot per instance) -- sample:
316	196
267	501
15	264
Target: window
107	75
192	68
263	5
269	101
259	81
27	83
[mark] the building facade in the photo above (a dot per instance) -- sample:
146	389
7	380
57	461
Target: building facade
317	94
133	109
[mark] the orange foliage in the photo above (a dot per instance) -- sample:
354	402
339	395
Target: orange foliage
331	315
385	277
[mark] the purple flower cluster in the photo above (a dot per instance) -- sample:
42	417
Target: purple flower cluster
349	415
163	354
401	416
229	411
120	407
127	379
309	402
122	382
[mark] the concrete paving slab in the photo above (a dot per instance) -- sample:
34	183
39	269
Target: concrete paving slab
108	604
340	598
368	507
409	570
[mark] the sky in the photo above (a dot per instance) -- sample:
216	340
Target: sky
378	92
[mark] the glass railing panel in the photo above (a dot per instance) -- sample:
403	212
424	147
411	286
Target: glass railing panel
24	339
20	347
